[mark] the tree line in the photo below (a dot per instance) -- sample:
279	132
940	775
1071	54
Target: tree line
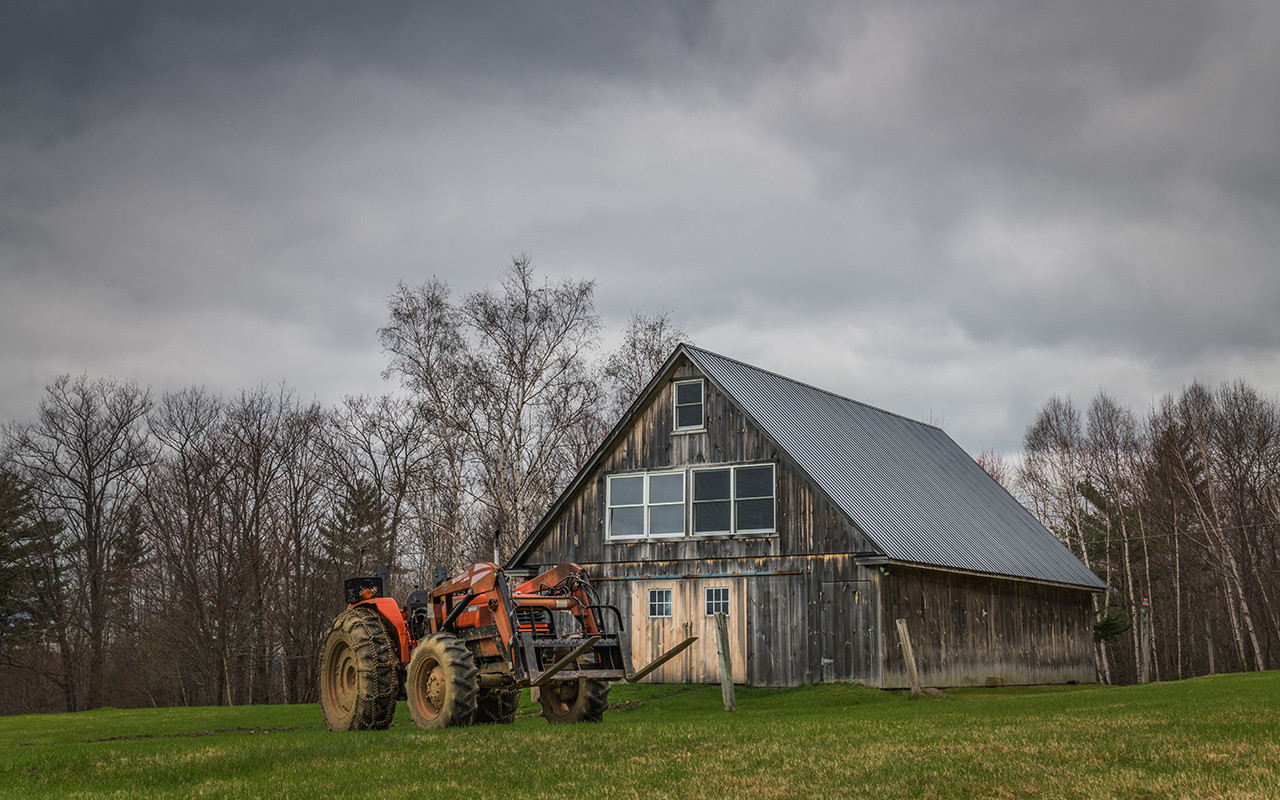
187	548
1177	508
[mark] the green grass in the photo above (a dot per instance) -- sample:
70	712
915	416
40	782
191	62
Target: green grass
1215	737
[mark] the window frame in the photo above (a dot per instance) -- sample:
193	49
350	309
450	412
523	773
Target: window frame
676	405
646	506
726	603
694	501
609	506
669	603
773	496
734	530
689	504
684	505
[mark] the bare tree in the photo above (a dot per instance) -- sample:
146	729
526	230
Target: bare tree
1112	455
84	457
1201	416
997	466
647	343
196	577
508	375
1182	510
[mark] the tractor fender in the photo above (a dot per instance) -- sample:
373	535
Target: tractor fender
388	610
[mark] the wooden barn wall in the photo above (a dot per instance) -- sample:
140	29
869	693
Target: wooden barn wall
788	642
975	631
812	619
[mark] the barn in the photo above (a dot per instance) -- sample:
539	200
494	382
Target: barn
815	522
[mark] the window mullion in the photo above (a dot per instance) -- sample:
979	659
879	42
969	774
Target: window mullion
644	505
732	499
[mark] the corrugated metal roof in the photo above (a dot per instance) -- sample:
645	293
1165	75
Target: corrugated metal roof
906	484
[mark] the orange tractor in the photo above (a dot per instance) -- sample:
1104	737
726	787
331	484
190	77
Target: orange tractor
460	653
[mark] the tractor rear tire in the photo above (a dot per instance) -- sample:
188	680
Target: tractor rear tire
441	683
498	706
583	700
359	672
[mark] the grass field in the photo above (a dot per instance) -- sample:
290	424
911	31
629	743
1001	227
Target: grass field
1216	737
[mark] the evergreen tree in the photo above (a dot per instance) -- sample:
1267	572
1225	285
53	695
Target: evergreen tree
357	536
19	619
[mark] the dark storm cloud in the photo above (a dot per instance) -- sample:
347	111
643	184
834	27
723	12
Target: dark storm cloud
81	49
948	209
1054	164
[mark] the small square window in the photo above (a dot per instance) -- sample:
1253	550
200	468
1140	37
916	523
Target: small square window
717	600
659	602
688	405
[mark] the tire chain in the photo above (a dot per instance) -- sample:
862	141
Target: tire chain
382	660
499	698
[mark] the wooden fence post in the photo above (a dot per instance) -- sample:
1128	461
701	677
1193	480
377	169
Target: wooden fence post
1208	638
908	655
1144	648
726	661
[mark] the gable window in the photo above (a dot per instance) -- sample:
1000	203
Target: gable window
643	505
688	411
733	499
717	600
659	602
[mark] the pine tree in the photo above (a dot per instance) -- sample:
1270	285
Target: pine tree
357	536
18	617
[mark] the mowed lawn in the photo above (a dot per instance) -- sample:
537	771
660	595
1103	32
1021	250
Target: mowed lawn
1215	737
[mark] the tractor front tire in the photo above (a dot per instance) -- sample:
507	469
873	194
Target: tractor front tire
498	706
441	683
359	672
583	700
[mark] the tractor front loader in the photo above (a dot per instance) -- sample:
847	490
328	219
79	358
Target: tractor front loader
460	653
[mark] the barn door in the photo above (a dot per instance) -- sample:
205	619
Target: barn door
704	597
843	606
658	623
831	591
664	613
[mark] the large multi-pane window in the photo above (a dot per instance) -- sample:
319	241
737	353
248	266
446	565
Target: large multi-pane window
647	504
733	499
723	500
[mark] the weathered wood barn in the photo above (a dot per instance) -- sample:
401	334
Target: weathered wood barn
815	522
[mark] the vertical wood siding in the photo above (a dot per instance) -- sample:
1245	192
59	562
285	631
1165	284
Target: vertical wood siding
973	631
781	621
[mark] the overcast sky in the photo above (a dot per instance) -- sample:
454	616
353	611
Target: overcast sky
949	210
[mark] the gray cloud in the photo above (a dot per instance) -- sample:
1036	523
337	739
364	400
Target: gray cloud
948	209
